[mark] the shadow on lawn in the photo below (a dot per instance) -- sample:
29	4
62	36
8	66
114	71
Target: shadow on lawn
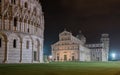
118	73
50	73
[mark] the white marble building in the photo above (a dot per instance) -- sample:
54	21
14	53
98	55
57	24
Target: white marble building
21	31
71	48
100	51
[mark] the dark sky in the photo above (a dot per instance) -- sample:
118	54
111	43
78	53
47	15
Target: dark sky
93	17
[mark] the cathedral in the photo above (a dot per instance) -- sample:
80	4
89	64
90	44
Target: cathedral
71	48
21	31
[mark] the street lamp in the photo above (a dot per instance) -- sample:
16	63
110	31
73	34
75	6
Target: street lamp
50	56
113	55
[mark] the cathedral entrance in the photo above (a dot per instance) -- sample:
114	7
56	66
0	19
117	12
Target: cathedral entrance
65	57
57	58
35	56
98	59
36	53
73	58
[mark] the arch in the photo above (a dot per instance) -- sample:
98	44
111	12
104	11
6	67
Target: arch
26	5
27	40
14	35
36	53
4	36
15	21
14	48
14	43
73	58
27	52
28	30
27	44
3	48
65	57
36	49
13	1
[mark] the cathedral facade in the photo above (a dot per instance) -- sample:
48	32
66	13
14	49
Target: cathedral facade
21	31
71	48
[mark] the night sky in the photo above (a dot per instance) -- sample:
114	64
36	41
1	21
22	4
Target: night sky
93	17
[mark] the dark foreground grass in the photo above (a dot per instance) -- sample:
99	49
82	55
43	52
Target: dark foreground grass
68	68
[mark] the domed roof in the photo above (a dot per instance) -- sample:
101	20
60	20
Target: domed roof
80	35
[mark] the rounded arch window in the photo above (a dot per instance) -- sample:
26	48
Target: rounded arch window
15	22
20	19
28	30
13	1
26	5
27	44
14	43
35	11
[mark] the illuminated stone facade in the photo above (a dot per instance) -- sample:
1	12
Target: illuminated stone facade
21	31
70	48
100	51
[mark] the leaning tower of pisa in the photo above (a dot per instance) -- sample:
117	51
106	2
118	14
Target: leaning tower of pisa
21	31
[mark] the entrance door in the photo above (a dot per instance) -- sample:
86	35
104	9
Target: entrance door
57	58
73	58
35	56
65	57
98	59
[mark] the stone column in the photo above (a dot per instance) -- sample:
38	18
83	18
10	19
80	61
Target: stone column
3	23
38	52
3	5
41	54
21	51
6	48
9	23
20	25
27	26
12	26
32	52
19	2
24	25
33	28
30	26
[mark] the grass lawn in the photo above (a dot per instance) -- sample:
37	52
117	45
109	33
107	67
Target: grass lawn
68	68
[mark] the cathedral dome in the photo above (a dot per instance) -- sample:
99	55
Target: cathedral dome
81	37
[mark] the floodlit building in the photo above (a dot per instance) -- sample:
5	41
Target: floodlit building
100	51
71	48
21	31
